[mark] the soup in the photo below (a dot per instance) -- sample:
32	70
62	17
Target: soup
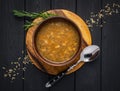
57	41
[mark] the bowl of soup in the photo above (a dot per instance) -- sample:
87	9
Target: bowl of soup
57	43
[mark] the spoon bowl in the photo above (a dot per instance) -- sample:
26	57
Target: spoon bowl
89	53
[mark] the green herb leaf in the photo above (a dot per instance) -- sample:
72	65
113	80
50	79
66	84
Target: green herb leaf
27	25
32	15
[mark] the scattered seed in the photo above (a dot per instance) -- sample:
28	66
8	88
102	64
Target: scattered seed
101	25
9	75
22	51
117	11
11	62
24	68
3	68
5	75
16	67
19	58
95	18
14	74
23	78
10	70
13	78
92	20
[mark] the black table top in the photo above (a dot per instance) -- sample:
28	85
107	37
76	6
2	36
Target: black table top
100	75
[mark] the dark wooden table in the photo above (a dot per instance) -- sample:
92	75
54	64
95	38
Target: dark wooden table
100	75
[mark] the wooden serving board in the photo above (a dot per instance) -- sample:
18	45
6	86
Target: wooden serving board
86	36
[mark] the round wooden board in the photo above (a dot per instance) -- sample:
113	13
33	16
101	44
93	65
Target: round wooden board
86	36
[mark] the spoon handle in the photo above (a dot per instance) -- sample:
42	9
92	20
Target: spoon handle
55	79
60	76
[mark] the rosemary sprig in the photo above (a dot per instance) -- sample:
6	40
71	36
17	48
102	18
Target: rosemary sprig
32	15
27	25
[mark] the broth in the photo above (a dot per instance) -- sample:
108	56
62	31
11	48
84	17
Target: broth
57	41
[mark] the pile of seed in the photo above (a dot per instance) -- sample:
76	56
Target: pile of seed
16	67
97	19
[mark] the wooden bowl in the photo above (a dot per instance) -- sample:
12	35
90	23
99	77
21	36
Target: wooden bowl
48	65
86	40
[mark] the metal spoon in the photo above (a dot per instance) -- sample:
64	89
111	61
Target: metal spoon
87	55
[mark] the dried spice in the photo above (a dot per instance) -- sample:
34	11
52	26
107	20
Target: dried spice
16	67
97	19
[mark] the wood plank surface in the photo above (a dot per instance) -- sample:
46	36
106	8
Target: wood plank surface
88	77
35	79
101	75
110	51
110	56
11	43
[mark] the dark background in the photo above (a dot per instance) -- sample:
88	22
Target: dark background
100	75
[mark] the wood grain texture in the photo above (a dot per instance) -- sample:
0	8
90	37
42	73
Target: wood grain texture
11	43
110	51
35	79
63	4
101	75
110	57
88	77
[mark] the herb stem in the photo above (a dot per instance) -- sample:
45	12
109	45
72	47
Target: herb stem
31	15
